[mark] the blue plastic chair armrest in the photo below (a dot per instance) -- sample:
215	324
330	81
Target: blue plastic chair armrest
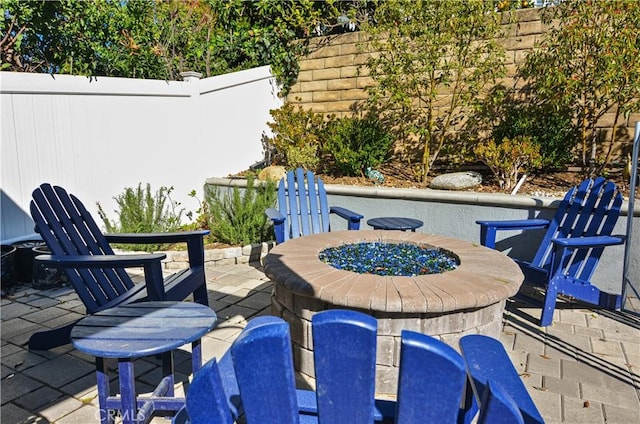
278	220
588	242
181	236
516	224
352	217
193	239
488	229
275	215
150	262
105	261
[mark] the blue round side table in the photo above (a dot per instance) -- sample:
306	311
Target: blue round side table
395	223
132	331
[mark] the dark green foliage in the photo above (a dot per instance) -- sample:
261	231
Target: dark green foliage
160	39
141	212
297	135
587	61
553	130
312	140
357	143
238	218
430	68
508	158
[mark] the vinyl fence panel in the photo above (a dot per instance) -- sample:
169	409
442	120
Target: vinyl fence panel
97	136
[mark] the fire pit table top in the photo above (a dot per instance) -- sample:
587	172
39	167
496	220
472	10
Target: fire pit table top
483	276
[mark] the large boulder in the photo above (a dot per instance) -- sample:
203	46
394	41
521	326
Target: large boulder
456	181
273	173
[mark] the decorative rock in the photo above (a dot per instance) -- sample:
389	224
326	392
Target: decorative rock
395	259
374	176
456	181
273	173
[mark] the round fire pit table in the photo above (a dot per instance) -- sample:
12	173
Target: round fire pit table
469	299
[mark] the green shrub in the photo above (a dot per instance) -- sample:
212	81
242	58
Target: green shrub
141	212
305	156
509	158
356	143
433	62
552	130
587	61
238	218
297	135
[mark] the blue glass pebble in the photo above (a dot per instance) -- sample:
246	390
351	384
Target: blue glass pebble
399	259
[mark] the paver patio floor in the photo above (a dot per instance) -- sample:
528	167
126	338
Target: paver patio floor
583	369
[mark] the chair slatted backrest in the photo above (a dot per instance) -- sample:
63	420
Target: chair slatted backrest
302	199
344	353
206	402
68	229
263	361
590	209
499	407
432	380
431	383
486	361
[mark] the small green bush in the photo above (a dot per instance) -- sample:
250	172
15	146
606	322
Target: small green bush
509	158
305	156
238	218
297	135
303	138
356	143
551	129
142	212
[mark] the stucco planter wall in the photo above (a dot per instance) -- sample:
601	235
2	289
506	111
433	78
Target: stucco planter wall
453	214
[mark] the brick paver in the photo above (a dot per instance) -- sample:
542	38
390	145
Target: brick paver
583	369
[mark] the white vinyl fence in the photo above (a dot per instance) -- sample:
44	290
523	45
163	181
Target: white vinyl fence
95	137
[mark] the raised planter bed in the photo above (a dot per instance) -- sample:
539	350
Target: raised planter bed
453	214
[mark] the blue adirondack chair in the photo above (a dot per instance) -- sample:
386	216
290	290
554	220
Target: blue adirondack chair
431	384
95	272
572	245
303	208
